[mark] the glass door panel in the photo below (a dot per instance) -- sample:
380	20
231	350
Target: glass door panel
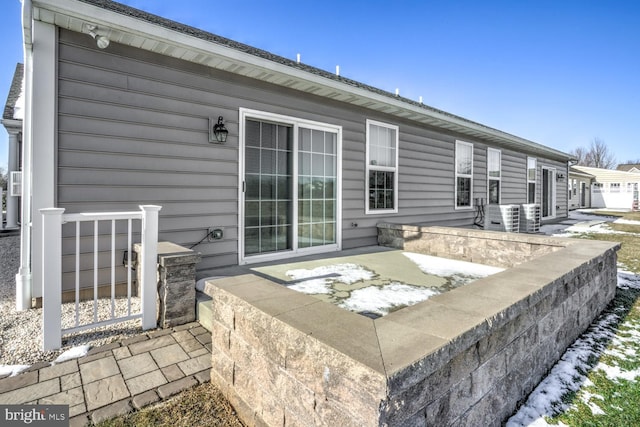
268	204
317	168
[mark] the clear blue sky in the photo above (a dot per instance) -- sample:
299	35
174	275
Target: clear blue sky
559	73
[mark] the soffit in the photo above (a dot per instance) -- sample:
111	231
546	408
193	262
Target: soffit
132	31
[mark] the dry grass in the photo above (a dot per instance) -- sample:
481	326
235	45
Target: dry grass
203	405
634	216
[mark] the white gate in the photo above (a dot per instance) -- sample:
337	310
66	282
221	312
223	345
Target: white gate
52	220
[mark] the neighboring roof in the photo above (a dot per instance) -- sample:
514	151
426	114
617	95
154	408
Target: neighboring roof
609	175
12	109
629	167
574	171
133	27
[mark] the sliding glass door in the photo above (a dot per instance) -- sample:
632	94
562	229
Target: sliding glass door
290	187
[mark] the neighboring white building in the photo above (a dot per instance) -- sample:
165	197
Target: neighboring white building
629	167
12	121
579	187
612	189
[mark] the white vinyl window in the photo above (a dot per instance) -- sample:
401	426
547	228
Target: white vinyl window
464	175
494	175
614	187
382	168
531	179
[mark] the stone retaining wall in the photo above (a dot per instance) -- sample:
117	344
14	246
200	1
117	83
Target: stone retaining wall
485	247
465	357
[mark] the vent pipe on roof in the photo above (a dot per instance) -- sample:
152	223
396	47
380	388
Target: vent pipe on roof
337	70
421	100
298	58
397	92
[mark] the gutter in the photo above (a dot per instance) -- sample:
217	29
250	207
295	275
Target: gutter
23	278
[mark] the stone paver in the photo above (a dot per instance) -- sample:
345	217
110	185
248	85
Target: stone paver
121	353
98	369
116	378
70	381
203	376
145	399
169	355
31	392
190	345
151	344
72	397
119	408
136	365
191	366
18	381
172	372
58	370
146	382
77	410
198	352
182	336
176	387
103	392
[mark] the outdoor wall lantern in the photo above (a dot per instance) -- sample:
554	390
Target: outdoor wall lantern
559	176
101	41
217	132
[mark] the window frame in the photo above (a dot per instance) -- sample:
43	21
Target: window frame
615	187
369	168
460	175
490	178
533	181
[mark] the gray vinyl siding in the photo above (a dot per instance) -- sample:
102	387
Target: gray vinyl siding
514	177
133	129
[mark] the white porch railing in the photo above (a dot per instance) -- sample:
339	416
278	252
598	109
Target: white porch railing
52	220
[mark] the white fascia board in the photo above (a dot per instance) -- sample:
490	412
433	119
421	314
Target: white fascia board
127	24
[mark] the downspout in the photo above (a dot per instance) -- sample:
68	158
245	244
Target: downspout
23	278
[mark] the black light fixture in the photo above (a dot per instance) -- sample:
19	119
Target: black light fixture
217	132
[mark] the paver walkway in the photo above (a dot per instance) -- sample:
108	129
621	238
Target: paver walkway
112	379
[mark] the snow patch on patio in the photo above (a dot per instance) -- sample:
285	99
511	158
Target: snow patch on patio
445	267
346	273
12	370
73	353
380	300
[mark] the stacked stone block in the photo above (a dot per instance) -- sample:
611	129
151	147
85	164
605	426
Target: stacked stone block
284	358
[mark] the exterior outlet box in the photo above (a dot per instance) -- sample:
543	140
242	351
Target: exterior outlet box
215	234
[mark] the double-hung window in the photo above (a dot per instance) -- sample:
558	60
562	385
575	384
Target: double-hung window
464	174
531	179
382	168
494	174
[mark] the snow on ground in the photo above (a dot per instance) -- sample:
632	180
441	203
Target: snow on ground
379	300
568	374
346	273
12	370
450	267
583	222
73	353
